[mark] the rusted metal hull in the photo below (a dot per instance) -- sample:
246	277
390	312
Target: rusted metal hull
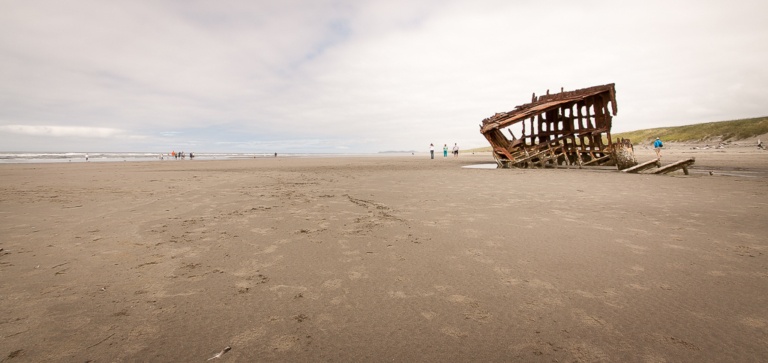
566	128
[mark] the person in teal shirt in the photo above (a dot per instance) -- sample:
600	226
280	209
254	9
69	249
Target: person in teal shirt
657	145
445	150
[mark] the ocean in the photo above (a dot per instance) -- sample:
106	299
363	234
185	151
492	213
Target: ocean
79	157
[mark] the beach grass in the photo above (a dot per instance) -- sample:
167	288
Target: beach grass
733	130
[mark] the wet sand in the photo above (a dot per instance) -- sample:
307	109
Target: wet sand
383	259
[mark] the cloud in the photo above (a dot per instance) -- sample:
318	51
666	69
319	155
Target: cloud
64	131
363	75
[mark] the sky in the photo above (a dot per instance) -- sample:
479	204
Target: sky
358	76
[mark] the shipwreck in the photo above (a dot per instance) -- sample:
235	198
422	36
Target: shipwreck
565	128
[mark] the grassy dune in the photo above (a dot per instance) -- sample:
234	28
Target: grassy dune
733	130
723	130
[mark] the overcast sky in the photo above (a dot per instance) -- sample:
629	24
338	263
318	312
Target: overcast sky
358	75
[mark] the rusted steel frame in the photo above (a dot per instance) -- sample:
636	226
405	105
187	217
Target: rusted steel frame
497	149
561	142
545	157
554	154
598	160
553	118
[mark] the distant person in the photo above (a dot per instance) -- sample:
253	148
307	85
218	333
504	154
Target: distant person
455	150
432	151
275	154
445	150
657	145
86	157
760	145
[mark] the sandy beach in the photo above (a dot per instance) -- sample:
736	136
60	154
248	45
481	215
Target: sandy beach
373	259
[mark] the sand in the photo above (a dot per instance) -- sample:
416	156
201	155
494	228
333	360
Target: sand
383	259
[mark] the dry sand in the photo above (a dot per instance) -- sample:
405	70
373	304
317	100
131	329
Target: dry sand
383	259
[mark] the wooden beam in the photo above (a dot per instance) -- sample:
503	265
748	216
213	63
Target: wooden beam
682	164
640	167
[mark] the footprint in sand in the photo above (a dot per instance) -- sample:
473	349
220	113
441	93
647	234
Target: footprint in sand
745	235
397	294
638	287
137	338
429	315
247	337
352	256
677	247
356	275
243	287
585	294
539	284
454	332
267	250
602	228
478	256
754	322
640	250
474	312
583	352
332	284
442	288
286	290
506	277
461	299
638	231
283	343
636	270
261	231
682	343
472	233
587	319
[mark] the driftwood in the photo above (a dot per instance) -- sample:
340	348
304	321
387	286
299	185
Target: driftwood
682	164
644	166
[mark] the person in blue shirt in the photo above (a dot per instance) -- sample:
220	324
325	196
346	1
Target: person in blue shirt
657	145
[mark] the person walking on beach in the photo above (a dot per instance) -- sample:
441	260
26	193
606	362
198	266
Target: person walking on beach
86	157
432	151
455	150
657	145
445	150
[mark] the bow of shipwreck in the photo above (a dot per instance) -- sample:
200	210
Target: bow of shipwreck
571	128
